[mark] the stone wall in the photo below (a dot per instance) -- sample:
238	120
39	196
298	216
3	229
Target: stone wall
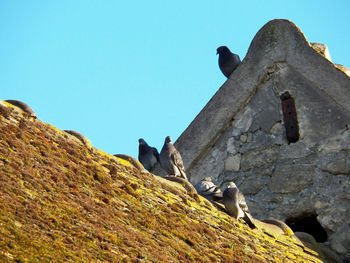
286	180
240	134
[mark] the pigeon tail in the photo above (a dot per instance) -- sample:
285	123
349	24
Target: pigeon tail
249	220
183	174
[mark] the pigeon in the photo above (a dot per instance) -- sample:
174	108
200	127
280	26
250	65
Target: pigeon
236	205
148	156
208	189
170	159
228	61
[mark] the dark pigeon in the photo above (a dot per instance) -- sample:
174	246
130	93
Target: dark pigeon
228	61
236	205
170	159
148	156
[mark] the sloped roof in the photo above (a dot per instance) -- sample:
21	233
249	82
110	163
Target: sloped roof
62	201
279	41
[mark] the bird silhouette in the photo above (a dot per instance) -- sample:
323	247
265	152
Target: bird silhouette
228	61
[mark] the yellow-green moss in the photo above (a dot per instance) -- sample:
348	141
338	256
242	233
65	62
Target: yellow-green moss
61	202
124	162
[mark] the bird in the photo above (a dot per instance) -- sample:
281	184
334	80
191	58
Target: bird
208	189
148	156
228	61
171	160
236	205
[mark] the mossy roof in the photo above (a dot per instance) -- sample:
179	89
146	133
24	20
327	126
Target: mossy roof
61	201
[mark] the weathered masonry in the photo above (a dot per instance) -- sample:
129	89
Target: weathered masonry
278	127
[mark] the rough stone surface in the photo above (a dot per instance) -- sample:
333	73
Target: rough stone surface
240	134
232	163
291	178
259	157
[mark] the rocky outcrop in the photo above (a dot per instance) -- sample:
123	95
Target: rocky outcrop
240	135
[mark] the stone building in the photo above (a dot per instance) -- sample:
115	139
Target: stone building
289	154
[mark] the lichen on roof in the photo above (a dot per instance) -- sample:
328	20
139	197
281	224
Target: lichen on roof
62	201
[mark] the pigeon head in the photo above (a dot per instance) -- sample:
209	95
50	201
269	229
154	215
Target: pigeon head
222	50
231	193
142	141
167	139
231	185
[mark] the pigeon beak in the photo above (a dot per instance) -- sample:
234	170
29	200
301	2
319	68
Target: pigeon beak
217	52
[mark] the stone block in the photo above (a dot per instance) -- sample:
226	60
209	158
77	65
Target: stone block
236	132
321	49
294	150
332	218
341	243
259	157
243	138
244	119
251	186
230	145
258	140
337	167
232	163
291	178
277	128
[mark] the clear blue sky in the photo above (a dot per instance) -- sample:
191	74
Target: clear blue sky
120	70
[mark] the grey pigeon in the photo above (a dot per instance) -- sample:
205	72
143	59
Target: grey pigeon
170	159
228	61
208	189
236	205
148	156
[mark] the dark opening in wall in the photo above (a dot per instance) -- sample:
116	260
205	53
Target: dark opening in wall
290	117
308	223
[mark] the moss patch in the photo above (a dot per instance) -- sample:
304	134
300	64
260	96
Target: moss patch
63	202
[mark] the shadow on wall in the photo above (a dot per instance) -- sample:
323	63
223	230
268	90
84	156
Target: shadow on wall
307	222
